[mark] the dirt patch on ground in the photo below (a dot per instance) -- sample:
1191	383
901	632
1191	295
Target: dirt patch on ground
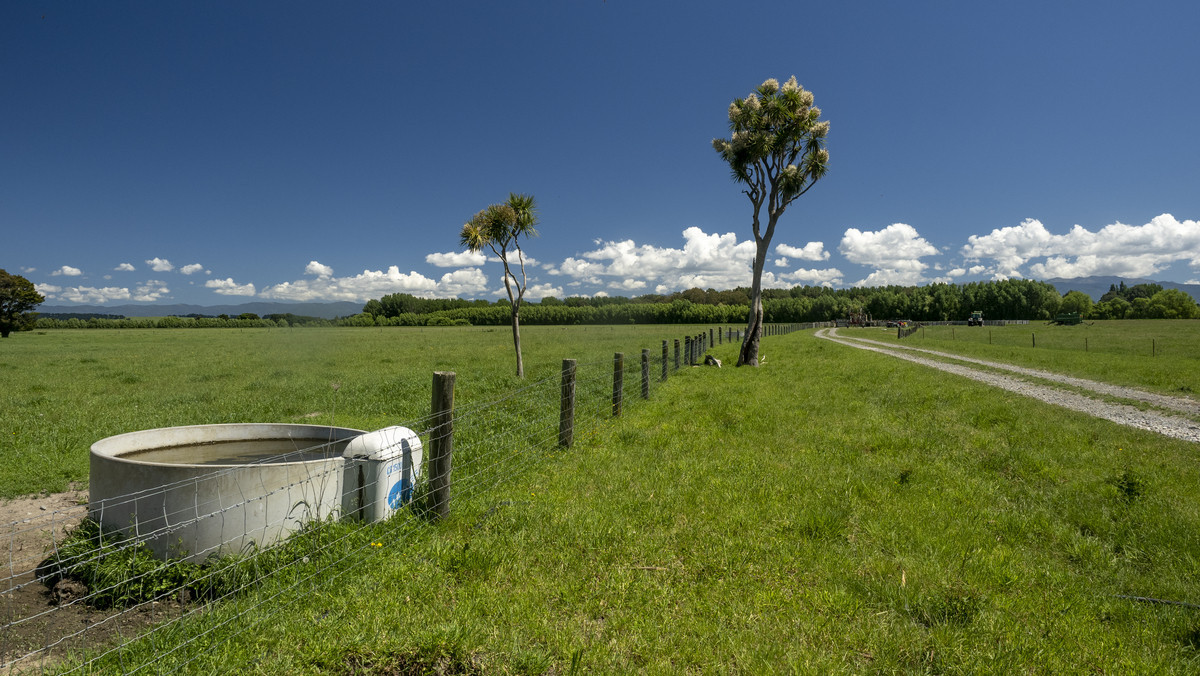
41	626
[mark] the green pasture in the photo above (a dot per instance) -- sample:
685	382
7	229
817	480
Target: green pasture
834	511
62	390
1155	355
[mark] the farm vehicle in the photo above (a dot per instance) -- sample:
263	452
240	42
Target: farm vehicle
976	319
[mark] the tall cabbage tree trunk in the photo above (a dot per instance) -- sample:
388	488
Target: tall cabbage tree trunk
516	327
748	356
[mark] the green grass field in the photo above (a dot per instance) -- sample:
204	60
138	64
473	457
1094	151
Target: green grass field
832	511
60	391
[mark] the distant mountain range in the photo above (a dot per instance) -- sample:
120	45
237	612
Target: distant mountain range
324	310
1098	286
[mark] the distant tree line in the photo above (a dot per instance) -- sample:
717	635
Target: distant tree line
77	315
1007	299
1140	301
246	320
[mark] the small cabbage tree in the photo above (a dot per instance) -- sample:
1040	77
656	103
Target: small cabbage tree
500	228
777	150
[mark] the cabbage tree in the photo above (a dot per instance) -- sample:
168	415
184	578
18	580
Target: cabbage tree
777	150
500	228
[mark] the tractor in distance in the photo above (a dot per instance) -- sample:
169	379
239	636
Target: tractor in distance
976	319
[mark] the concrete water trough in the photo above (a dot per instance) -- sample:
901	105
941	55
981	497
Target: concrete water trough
189	492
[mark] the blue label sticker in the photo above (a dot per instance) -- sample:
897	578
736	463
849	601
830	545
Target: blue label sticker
399	494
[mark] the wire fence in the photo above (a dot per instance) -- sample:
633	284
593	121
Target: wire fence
150	580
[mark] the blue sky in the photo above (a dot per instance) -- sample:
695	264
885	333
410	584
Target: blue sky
221	152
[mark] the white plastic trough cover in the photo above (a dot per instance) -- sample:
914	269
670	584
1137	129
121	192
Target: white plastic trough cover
395	453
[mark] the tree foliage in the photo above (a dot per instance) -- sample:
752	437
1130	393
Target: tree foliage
1130	293
500	227
18	298
1077	301
1004	299
777	150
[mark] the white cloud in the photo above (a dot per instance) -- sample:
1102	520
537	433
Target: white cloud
539	291
828	277
888	277
956	272
895	246
28	270
781	262
514	259
374	283
461	259
228	287
66	271
705	261
191	269
895	252
813	251
160	265
1117	249
82	294
125	267
627	285
466	282
315	268
150	291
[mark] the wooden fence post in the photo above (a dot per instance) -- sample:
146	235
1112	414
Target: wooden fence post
441	442
664	364
710	338
566	415
645	373
618	382
687	350
676	354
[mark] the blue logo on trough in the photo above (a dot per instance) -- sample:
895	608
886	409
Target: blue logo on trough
400	493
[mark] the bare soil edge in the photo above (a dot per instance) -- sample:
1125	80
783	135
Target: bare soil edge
36	631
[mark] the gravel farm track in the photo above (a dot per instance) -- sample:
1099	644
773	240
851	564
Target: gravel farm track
1176	417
